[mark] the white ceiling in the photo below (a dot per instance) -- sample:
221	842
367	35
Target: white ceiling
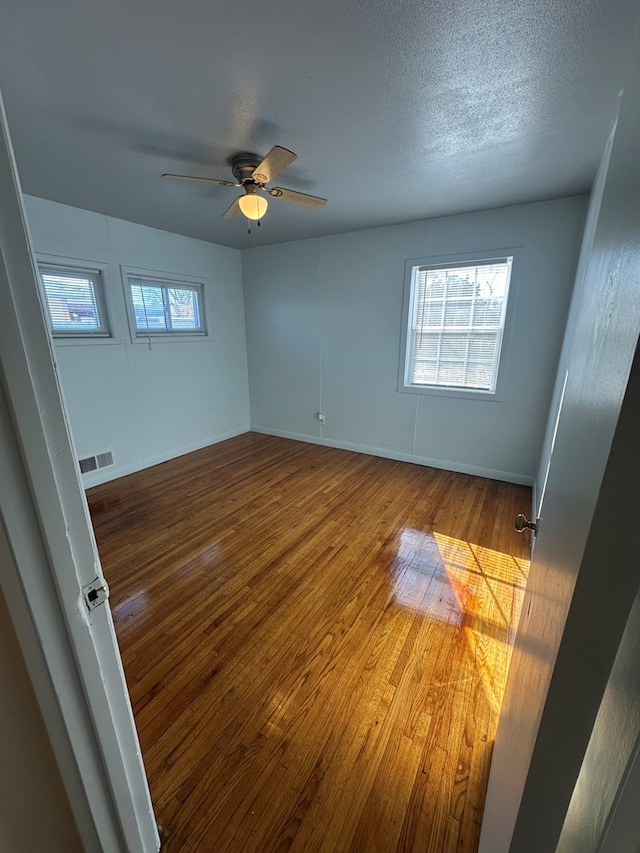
397	110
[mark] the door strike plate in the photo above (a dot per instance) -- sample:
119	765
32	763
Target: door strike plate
95	593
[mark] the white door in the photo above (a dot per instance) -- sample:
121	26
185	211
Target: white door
582	581
71	651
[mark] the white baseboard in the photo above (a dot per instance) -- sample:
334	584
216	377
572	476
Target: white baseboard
106	475
113	473
445	465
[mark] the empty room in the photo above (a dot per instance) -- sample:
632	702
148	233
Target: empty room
318	405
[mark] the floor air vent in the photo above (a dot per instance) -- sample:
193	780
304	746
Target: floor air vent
95	463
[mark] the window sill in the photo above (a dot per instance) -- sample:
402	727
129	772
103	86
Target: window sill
69	341
462	393
168	338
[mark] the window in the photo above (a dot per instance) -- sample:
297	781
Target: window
455	324
159	307
75	302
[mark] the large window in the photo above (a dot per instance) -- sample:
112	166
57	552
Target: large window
165	308
455	324
74	300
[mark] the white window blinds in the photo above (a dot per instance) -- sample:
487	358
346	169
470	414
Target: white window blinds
75	302
165	308
455	326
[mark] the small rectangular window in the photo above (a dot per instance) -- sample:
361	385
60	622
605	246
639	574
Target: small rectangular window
165	307
74	299
455	325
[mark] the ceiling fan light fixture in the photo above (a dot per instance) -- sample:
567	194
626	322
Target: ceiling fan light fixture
253	206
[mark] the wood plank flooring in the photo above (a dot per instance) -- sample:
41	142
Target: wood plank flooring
315	643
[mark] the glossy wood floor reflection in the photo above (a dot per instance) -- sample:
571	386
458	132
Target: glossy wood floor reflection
315	642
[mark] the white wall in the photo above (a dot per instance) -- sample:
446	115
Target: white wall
323	330
148	405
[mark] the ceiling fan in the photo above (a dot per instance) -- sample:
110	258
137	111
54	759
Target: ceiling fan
253	174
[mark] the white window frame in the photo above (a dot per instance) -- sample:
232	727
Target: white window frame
77	266
145	336
446	262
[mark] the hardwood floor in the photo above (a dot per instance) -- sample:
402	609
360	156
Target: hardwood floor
315	643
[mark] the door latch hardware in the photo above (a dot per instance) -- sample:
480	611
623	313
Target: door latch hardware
522	523
95	593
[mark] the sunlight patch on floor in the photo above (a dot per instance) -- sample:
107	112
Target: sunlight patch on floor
489	588
469	586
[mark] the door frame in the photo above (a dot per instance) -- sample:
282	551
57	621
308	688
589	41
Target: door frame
71	653
622	829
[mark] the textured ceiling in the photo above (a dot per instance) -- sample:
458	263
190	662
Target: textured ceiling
397	110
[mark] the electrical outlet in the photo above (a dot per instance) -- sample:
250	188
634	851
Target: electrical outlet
321	417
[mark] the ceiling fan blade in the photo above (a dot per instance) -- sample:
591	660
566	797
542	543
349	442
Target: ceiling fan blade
275	162
193	179
233	209
298	198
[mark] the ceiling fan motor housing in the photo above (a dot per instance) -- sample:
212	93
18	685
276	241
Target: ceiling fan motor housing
243	166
